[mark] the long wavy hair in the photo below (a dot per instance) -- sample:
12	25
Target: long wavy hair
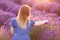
23	16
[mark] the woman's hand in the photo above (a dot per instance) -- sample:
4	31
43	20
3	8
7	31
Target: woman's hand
38	23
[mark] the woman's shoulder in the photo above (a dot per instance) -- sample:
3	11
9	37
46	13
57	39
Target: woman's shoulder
32	22
13	22
13	19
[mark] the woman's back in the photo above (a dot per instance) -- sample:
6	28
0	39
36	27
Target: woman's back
21	34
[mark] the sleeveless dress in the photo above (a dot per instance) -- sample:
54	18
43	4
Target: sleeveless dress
21	34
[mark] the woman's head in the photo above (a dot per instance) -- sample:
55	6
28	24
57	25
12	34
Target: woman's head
23	14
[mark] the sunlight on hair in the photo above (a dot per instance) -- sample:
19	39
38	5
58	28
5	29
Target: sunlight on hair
23	16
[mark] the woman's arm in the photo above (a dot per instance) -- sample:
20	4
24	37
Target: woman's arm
38	23
12	30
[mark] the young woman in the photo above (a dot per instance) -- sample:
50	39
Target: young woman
22	24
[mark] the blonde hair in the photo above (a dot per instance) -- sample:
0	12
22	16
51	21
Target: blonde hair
23	16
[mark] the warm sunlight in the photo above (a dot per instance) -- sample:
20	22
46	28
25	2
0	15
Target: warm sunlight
46	0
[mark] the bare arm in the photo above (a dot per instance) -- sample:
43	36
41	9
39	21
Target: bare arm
12	30
38	23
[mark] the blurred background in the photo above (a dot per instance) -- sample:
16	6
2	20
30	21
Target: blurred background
40	10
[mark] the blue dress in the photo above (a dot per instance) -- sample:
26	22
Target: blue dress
21	34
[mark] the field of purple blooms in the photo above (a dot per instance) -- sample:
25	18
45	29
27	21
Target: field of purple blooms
40	10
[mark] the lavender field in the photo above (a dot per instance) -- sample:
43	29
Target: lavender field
40	10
